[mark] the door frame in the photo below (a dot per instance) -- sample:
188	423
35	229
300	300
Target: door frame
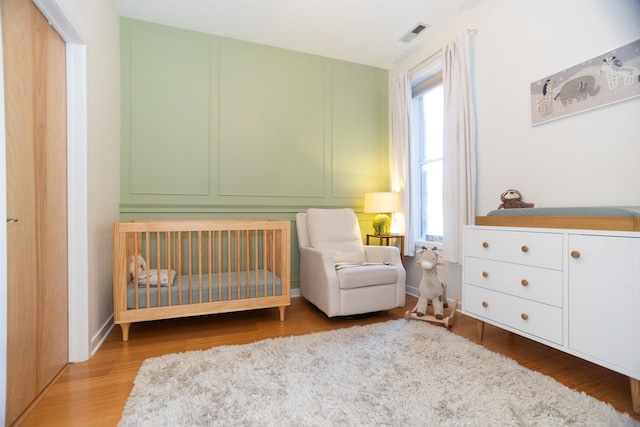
77	217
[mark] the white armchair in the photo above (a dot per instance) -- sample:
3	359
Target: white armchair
340	275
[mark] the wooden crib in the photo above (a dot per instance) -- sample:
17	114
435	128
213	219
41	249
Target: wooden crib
170	269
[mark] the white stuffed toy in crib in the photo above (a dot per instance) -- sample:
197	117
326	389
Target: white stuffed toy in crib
153	273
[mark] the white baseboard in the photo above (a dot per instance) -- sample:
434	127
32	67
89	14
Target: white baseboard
103	333
415	292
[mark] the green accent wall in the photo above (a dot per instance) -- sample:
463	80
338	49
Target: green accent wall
216	128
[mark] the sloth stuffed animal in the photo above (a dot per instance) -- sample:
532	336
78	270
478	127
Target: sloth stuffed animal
431	289
513	199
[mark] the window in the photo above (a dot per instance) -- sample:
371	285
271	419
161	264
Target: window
427	153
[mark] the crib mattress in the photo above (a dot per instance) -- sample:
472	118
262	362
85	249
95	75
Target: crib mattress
253	281
593	211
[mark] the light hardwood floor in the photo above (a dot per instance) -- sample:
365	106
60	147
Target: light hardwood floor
93	393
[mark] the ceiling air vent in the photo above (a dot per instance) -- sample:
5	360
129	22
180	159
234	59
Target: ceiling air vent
414	33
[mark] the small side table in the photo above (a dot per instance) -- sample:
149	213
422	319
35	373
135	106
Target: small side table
385	240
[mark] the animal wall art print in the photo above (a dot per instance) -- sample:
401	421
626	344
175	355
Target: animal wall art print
605	79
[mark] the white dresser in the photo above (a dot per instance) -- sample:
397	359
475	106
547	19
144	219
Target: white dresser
574	290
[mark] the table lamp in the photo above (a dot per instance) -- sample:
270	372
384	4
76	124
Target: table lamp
381	203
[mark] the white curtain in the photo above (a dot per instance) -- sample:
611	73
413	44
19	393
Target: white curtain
399	152
459	145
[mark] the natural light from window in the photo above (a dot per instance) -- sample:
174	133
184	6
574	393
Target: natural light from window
431	164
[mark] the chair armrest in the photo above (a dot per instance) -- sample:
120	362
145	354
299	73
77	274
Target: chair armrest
318	279
321	262
389	254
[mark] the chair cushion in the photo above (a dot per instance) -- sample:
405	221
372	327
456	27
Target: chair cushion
367	275
336	230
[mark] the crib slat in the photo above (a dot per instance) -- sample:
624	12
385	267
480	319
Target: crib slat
210	263
180	267
135	267
256	263
167	239
244	268
228	252
274	253
237	238
158	270
147	244
219	258
247	264
265	251
199	245
190	267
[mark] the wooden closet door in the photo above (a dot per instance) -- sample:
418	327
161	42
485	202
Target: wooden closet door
35	113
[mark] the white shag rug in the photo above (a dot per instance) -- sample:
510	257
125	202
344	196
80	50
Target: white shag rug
395	373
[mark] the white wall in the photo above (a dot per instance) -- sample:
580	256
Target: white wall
588	159
591	158
98	24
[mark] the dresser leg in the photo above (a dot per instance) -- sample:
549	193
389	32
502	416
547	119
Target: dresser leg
635	394
479	329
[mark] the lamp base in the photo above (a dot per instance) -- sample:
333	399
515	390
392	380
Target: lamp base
382	225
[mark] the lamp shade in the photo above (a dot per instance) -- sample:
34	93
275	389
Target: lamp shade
381	202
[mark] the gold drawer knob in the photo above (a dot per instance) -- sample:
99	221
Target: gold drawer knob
524	316
485	244
485	274
524	248
525	282
485	304
575	254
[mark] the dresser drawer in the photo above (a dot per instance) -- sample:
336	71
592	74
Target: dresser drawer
521	247
533	283
541	320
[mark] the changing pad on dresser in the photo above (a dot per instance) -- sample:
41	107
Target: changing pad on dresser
604	211
624	218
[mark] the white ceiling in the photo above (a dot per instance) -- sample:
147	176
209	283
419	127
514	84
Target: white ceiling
362	31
